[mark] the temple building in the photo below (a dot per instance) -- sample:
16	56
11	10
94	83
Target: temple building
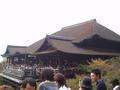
18	55
72	45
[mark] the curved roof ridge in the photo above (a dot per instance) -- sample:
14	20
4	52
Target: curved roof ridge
15	46
58	37
89	21
106	32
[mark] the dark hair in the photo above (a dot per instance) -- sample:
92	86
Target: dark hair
47	74
86	84
97	72
60	79
115	82
30	81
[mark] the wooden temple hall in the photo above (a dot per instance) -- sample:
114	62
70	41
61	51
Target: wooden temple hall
71	45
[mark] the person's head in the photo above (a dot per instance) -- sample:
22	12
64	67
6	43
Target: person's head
95	75
5	87
60	79
86	84
28	84
47	74
115	82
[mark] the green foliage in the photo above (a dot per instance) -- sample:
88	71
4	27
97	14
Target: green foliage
114	61
98	63
1	80
103	65
113	70
73	83
83	68
110	70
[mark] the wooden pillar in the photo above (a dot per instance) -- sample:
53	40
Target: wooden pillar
7	59
58	58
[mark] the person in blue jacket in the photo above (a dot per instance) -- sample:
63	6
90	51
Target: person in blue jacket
96	77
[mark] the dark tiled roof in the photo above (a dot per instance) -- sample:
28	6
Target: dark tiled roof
63	40
12	50
68	47
35	46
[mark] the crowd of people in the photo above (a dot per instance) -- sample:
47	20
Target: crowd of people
56	81
22	71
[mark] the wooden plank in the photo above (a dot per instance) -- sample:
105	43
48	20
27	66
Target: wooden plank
11	78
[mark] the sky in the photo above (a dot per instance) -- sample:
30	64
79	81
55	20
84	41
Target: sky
23	22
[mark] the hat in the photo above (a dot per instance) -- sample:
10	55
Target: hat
86	83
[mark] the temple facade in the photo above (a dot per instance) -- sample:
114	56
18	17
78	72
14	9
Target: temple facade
70	46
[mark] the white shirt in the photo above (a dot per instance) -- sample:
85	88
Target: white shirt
64	88
117	87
